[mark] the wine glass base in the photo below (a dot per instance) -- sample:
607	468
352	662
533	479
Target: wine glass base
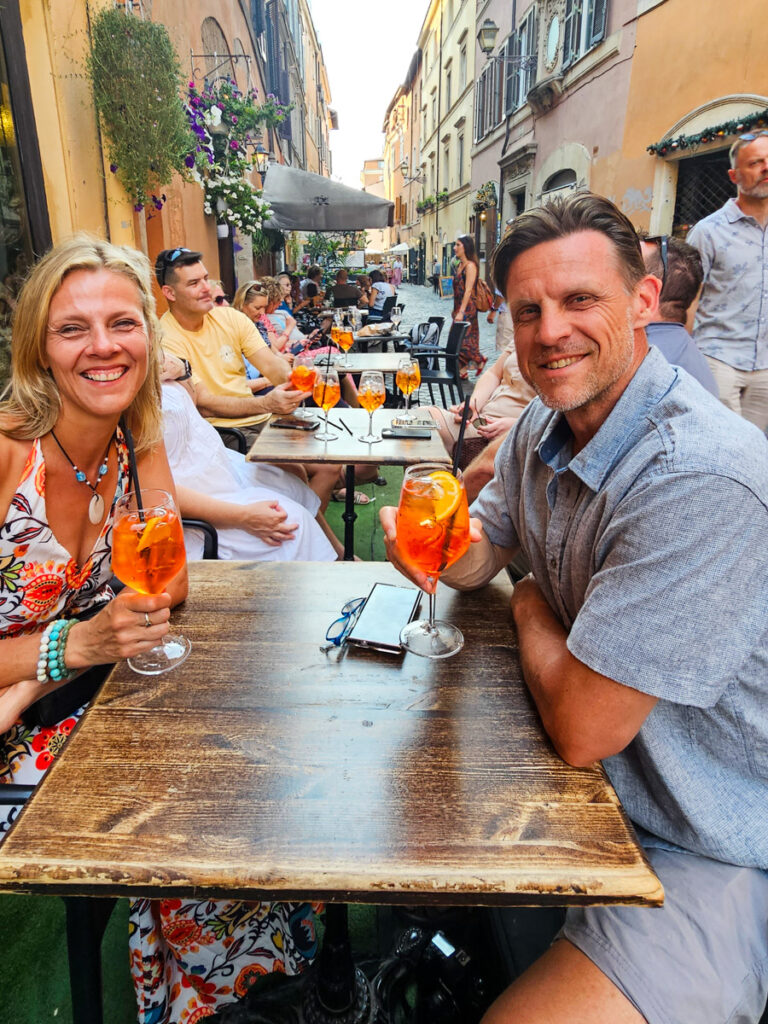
324	435
406	416
303	413
438	640
166	655
370	438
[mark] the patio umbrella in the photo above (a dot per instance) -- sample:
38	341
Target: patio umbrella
302	201
400	247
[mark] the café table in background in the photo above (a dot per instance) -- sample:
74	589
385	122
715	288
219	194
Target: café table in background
278	445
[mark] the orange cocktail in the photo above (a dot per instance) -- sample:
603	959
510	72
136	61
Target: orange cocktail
148	552
408	380
326	393
432	521
432	533
371	394
303	377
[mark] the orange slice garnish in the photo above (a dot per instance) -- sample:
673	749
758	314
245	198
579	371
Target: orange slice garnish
449	498
157	529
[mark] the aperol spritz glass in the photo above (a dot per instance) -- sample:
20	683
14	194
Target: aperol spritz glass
326	393
147	552
371	394
408	380
432	534
303	379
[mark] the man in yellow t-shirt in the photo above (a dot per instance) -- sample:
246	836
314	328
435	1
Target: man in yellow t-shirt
214	339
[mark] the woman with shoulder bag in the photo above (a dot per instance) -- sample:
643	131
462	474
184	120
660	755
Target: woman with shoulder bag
465	305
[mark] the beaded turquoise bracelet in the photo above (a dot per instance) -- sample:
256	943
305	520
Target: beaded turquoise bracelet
51	665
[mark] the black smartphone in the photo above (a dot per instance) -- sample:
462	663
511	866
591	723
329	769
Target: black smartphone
291	423
386	610
412	433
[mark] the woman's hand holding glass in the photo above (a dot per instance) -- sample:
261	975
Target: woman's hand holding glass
147	552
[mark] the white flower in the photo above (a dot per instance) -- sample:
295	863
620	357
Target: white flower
213	116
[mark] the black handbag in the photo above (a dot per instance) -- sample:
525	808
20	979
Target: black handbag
60	703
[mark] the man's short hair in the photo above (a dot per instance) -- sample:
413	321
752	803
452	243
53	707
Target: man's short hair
341	275
683	278
314	272
740	143
169	260
567	215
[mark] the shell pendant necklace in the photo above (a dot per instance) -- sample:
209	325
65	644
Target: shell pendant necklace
96	504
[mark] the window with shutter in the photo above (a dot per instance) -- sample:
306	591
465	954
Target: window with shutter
597	21
571	31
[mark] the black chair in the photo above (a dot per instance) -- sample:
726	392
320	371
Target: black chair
210	536
447	376
439	320
234	438
376	316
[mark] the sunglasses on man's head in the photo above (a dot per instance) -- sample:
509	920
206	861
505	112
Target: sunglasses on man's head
663	243
751	136
168	261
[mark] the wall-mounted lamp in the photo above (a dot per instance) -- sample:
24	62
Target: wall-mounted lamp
486	37
408	178
263	159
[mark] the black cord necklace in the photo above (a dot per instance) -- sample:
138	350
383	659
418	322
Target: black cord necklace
96	505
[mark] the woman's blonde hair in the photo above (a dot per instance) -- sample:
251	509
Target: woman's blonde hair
268	286
32	403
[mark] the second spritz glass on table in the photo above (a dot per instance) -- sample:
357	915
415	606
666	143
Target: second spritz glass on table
408	380
432	534
147	552
371	394
326	393
303	379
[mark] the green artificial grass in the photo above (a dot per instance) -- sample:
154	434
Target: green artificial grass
369	539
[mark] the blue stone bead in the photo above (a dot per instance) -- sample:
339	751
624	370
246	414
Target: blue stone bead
80	475
103	469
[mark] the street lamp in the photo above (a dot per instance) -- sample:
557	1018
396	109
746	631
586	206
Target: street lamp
263	160
486	37
407	178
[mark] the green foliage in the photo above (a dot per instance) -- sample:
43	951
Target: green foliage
485	197
330	249
136	79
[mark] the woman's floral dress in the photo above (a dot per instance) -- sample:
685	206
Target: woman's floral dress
470	347
187	957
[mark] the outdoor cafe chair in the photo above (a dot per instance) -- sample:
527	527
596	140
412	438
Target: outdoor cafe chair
448	375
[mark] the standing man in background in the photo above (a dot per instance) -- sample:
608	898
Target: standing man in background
731	326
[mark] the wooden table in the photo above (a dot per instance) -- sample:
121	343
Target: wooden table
273	445
263	768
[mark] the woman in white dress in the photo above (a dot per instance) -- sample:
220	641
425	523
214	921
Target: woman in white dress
260	512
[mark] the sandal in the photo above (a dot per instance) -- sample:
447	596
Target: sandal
360	498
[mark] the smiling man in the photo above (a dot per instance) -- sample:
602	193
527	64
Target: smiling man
641	504
731	326
213	340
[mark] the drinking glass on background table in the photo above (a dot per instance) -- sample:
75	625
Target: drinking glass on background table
408	380
303	379
345	342
432	534
326	393
147	552
371	394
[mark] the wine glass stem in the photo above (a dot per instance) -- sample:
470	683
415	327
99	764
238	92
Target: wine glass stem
370	423
431	612
326	420
407	399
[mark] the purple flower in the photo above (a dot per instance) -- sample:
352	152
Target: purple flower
234	144
189	160
234	119
113	168
138	207
191	85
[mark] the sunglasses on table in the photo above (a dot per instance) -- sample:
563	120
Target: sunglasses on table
663	243
338	631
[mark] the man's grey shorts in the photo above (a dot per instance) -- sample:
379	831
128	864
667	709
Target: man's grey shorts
702	958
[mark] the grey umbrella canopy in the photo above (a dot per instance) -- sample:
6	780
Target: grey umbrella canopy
302	201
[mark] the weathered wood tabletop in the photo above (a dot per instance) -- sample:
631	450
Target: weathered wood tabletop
276	445
263	767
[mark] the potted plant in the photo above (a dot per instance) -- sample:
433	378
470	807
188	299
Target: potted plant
442	195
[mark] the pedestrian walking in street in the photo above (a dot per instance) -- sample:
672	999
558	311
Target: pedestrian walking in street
436	277
397	273
464	305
